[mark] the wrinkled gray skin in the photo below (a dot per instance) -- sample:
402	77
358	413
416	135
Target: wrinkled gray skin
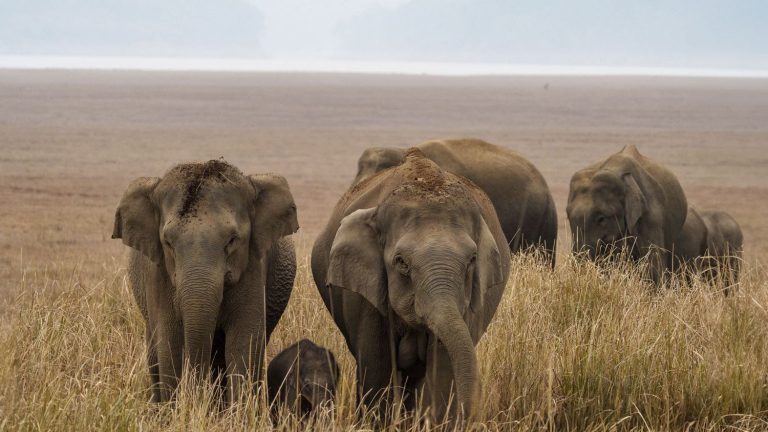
711	243
627	201
412	265
208	246
518	191
303	377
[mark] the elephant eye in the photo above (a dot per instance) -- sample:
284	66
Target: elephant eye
402	265
600	219
473	258
230	242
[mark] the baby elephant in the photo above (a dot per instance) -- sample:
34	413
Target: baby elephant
711	243
303	377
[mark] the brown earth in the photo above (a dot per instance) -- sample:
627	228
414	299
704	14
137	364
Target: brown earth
70	142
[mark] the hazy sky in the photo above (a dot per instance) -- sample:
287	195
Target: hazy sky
662	33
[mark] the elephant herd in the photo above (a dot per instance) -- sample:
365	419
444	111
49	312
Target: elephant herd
411	265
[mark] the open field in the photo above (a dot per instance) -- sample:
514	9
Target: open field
570	349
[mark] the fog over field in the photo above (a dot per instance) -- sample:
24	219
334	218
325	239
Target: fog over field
692	34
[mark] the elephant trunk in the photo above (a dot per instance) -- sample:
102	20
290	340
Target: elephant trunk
200	294
444	319
320	395
451	330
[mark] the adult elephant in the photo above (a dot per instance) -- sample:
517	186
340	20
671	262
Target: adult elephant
412	265
627	201
711	243
518	191
210	268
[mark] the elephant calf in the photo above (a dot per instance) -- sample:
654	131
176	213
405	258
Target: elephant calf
303	377
627	202
210	268
711	243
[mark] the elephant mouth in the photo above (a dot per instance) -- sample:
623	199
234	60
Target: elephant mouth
229	279
315	396
412	349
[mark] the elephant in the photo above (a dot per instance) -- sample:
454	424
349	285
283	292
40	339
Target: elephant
211	267
711	243
412	265
303	377
518	191
627	202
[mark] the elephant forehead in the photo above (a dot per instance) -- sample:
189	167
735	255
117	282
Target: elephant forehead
589	203
427	215
192	182
598	190
582	203
316	361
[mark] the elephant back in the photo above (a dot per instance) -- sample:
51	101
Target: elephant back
519	193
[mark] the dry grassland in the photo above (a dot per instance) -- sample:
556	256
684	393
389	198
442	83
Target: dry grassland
573	349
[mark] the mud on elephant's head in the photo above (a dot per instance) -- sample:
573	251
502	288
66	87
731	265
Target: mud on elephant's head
208	225
430	252
604	208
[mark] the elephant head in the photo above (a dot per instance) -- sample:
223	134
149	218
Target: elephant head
427	254
208	227
377	159
303	376
604	211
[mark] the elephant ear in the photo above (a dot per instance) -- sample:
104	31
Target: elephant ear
136	219
273	212
487	284
634	203
356	263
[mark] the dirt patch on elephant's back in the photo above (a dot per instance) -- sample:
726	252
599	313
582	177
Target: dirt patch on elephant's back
421	175
425	180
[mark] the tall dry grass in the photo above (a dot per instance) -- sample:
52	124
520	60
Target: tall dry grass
574	349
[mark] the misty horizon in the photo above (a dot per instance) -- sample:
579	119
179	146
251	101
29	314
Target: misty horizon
676	35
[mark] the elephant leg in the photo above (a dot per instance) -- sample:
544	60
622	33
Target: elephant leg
413	381
659	259
218	362
548	234
154	369
374	365
245	358
733	263
438	391
170	351
244	349
666	262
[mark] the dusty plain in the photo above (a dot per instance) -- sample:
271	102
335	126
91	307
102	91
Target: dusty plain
71	141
